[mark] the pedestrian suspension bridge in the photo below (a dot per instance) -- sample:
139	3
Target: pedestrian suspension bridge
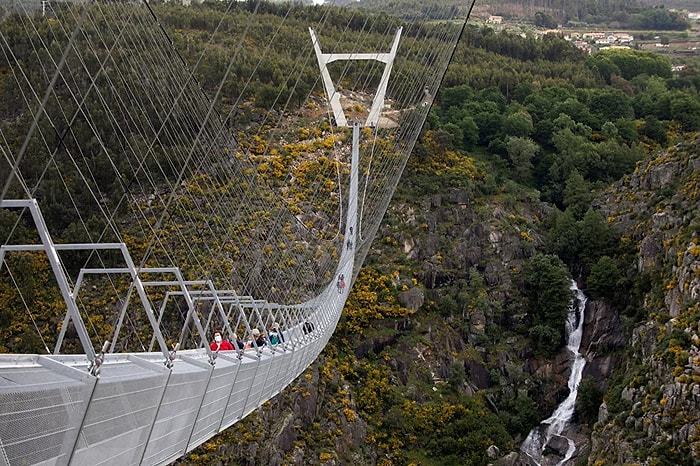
147	200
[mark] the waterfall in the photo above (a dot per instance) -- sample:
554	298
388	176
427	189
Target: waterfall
539	437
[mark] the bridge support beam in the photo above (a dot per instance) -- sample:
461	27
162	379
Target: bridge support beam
48	246
332	92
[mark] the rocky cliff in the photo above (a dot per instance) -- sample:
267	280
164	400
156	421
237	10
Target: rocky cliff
651	411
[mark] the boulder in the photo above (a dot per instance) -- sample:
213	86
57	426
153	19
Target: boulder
557	446
511	459
412	298
478	374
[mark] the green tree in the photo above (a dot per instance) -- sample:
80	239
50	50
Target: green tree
577	111
648	94
577	194
470	131
518	124
685	109
605	66
456	96
604	280
588	400
521	152
489	124
464	434
520	415
598	238
626	130
457	134
547	287
522	90
660	19
545	338
575	152
654	129
631	63
543	20
616	159
563	237
610	105
457	376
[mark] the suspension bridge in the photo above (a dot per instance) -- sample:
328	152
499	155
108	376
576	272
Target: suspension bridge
142	210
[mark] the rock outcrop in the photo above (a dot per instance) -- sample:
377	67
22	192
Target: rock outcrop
602	340
652	413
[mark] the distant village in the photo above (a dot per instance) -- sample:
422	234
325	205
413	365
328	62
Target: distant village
595	40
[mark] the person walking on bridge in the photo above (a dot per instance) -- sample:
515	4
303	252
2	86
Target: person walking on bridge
219	344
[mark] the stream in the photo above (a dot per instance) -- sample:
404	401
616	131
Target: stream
538	438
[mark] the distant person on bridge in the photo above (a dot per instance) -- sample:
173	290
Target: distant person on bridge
219	344
308	327
238	344
258	339
274	335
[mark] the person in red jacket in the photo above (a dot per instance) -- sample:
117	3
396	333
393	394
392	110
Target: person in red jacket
219	344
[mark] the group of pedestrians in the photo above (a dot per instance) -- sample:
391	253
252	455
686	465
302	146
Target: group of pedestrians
273	337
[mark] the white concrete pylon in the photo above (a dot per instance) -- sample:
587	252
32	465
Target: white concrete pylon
332	92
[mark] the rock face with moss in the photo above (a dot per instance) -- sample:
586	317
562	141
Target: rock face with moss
651	413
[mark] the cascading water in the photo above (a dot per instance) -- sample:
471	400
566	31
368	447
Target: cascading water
539	437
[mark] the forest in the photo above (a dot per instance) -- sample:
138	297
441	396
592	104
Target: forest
619	14
520	121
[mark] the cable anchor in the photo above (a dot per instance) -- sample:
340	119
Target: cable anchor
95	364
171	356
